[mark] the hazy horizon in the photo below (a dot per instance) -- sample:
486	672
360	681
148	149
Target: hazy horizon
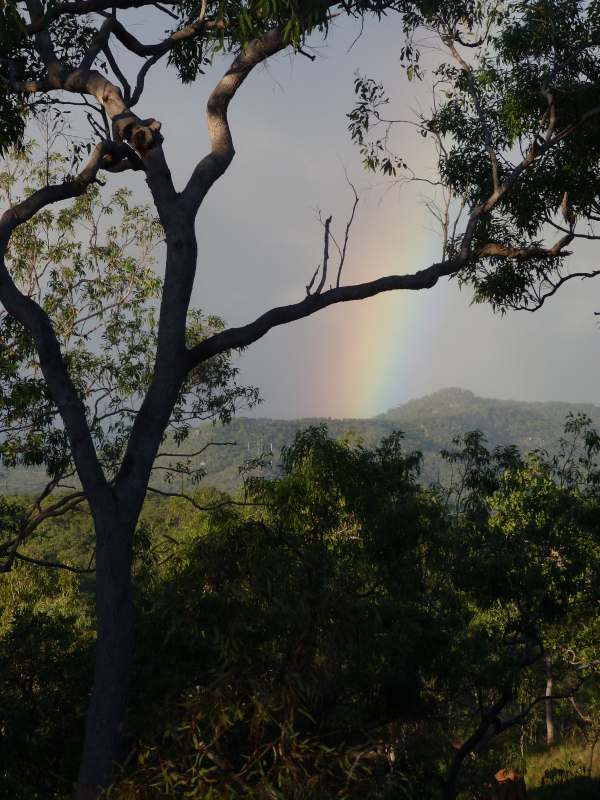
255	413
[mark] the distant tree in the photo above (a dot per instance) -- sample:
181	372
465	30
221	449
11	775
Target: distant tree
525	552
91	268
514	134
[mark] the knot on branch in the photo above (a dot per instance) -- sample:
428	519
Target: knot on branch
142	134
119	156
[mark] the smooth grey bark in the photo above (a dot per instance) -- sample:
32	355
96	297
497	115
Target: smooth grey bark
114	652
115	522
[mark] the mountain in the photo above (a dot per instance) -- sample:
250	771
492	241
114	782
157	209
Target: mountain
449	412
428	423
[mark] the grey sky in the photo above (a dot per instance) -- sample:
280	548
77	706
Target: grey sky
260	242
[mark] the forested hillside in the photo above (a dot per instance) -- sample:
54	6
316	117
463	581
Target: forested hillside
342	632
429	424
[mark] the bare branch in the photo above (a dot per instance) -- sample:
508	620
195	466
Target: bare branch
555	286
198	506
327	225
196	452
312	280
347	233
139	86
54	564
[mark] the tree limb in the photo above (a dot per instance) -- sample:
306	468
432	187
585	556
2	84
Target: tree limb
35	320
213	165
54	564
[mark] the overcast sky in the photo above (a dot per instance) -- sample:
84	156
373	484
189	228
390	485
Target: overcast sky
260	241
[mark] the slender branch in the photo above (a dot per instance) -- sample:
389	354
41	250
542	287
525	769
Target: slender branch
347	233
541	299
310	284
54	564
112	61
63	506
327	225
196	452
198	506
590	236
139	85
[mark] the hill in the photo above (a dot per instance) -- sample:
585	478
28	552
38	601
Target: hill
428	423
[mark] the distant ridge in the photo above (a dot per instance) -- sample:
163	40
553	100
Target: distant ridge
453	411
461	400
429	424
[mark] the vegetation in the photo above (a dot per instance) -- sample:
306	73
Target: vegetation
99	359
428	425
342	631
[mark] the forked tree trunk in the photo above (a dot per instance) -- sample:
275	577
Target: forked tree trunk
114	617
549	702
115	524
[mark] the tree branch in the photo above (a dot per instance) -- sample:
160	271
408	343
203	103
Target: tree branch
497	250
326	226
198	506
196	452
234	338
347	233
36	321
54	564
41	21
543	296
213	165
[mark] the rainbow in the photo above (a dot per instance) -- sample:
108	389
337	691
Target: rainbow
372	347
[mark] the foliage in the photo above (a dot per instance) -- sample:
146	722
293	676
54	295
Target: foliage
351	610
91	267
335	632
511	76
45	649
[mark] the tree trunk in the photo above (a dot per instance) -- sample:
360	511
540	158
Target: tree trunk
449	790
114	649
549	703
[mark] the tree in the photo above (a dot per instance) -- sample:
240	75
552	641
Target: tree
94	275
59	51
360	634
527	558
46	643
513	126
